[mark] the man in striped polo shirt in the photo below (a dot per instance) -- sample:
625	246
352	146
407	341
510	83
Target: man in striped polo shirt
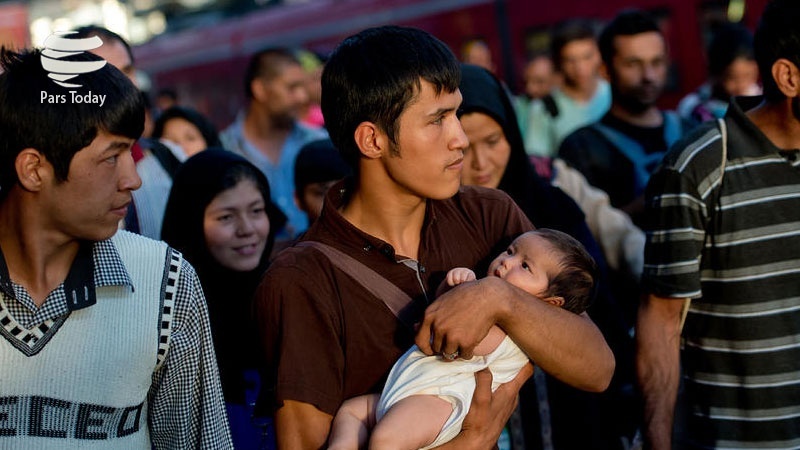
731	244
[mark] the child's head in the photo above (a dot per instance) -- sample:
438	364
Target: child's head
318	167
550	264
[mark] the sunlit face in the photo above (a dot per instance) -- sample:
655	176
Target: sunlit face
185	134
486	158
741	77
529	263
95	197
539	76
430	146
639	70
286	94
236	226
580	62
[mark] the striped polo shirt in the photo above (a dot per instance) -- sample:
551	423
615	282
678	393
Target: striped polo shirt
735	251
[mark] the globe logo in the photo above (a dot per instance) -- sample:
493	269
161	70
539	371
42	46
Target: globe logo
58	46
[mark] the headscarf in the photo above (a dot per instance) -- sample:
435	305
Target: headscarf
228	293
545	205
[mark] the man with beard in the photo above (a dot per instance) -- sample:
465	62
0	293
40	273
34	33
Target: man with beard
619	152
722	213
268	133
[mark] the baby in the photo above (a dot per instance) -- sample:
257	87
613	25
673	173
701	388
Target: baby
425	399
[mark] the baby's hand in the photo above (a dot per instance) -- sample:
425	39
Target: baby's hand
459	275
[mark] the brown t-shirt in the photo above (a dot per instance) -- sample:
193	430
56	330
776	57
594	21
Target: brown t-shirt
327	339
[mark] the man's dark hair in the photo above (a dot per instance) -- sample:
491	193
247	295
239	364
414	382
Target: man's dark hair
627	23
59	130
267	63
566	32
777	36
576	283
104	34
373	75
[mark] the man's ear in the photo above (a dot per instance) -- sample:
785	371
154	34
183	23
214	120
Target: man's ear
370	140
32	169
555	300
787	77
259	89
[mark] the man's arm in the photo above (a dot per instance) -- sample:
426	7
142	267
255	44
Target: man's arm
301	426
657	366
568	346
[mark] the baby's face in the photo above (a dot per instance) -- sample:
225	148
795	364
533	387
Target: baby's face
529	263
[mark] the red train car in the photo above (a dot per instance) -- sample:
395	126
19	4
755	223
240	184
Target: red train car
206	64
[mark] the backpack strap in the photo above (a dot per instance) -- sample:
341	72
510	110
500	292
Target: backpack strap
398	302
643	163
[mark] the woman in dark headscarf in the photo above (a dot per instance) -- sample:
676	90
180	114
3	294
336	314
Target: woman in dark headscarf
496	158
219	215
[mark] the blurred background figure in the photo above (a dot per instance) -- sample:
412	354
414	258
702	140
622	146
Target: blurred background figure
311	113
268	132
220	216
583	95
539	78
318	167
166	98
618	152
732	72
476	51
187	128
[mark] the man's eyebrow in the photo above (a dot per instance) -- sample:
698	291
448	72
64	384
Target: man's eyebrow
441	112
118	145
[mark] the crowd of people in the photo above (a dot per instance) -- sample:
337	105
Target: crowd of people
306	277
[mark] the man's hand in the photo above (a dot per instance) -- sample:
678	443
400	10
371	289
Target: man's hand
488	412
459	319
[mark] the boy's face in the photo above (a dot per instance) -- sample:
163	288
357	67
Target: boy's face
96	194
529	263
580	63
311	198
430	146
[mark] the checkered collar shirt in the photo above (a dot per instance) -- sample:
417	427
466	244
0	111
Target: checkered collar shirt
97	264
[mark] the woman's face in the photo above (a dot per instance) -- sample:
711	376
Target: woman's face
236	226
486	158
185	134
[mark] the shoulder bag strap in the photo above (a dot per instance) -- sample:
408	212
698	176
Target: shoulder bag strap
724	132
392	296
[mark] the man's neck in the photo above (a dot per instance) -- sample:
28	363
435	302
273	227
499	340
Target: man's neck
37	259
649	118
388	214
778	123
265	134
581	94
